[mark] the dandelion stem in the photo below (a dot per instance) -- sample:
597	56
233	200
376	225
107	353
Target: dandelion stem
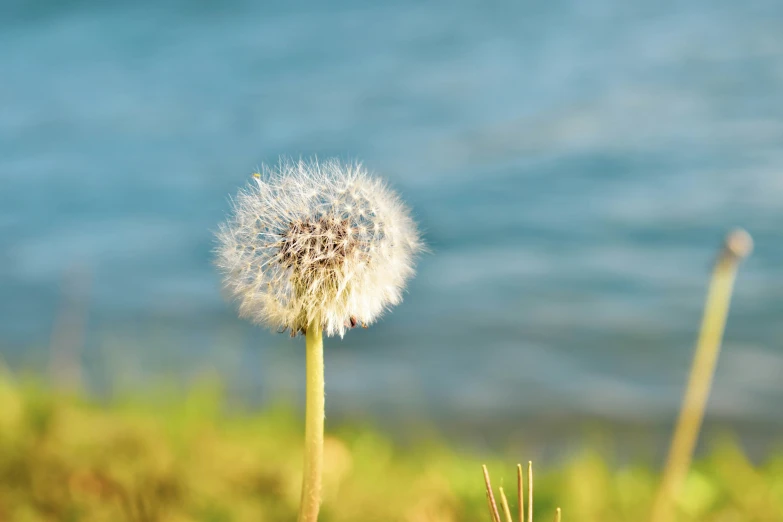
314	425
738	245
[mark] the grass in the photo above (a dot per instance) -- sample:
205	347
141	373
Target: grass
161	459
65	458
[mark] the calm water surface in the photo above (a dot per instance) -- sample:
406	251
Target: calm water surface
573	167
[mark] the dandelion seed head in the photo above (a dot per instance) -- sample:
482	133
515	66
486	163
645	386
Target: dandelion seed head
321	241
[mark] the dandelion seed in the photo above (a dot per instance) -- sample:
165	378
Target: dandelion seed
302	231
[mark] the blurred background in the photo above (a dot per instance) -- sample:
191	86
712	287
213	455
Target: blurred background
573	166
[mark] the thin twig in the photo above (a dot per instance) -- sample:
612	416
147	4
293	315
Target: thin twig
493	507
67	342
504	503
520	496
530	491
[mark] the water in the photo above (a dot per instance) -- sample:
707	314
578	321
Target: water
573	166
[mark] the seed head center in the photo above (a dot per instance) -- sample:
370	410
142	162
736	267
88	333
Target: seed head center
321	243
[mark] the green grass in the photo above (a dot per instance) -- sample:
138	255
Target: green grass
176	459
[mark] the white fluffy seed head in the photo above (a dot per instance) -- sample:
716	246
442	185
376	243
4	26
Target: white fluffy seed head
316	241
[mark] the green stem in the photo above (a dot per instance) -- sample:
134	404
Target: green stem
697	392
314	425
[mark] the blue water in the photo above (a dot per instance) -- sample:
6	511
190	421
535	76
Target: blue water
573	165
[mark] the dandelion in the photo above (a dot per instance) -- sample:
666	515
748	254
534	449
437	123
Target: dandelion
316	247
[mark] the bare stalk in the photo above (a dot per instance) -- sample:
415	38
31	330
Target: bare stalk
738	245
504	504
520	496
493	507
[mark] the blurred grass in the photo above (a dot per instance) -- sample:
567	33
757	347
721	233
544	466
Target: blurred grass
189	458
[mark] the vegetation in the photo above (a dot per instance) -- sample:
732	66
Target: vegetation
163	459
158	458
